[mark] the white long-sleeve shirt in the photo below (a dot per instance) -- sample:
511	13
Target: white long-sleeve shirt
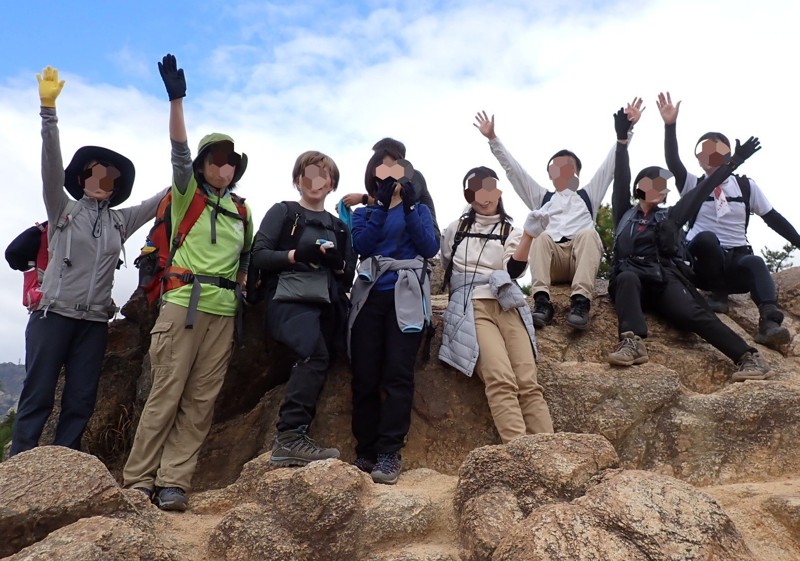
569	214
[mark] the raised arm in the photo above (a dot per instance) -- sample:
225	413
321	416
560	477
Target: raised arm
688	205
55	199
669	113
175	83
621	195
526	187
597	187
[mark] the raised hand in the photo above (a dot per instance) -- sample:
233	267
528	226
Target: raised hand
622	124
49	86
744	151
634	110
173	77
537	221
485	125
669	112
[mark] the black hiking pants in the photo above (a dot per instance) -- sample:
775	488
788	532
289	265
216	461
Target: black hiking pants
382	360
732	271
679	304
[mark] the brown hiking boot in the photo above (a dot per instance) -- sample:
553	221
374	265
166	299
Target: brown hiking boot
751	366
631	350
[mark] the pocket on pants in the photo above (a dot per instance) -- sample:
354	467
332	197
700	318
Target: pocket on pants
161	344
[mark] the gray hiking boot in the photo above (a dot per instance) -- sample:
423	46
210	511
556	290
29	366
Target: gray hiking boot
770	331
751	366
387	468
171	498
631	350
296	448
718	302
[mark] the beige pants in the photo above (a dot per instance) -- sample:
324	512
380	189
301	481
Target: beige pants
508	370
188	367
575	261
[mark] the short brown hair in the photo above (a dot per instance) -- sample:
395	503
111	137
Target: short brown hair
312	157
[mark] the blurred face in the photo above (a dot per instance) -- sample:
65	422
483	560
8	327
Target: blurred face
654	190
563	172
482	193
220	164
711	154
400	170
315	183
98	180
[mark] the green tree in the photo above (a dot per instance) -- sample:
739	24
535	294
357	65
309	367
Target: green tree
605	227
777	260
5	431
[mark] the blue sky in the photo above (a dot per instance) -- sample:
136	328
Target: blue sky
283	78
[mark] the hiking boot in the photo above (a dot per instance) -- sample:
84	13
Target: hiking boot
146	492
542	310
295	448
578	316
751	366
770	331
364	464
631	350
718	302
387	468
171	498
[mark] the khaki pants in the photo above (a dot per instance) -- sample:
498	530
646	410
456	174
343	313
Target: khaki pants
575	261
188	367
507	368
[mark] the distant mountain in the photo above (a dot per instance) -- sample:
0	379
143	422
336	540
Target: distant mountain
11	378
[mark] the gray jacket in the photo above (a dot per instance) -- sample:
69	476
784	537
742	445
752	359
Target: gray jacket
459	339
83	255
412	291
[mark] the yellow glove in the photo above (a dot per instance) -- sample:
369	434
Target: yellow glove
49	86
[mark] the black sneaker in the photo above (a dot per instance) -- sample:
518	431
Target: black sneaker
718	302
770	331
387	468
171	498
542	310
578	316
296	448
364	464
146	492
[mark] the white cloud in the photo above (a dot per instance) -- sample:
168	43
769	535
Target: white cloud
337	82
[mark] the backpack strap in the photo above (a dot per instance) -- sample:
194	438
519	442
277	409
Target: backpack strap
581	193
71	210
463	232
744	187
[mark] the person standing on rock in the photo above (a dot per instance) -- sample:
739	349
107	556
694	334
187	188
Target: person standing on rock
488	326
69	326
192	339
569	249
395	237
648	271
717	240
308	261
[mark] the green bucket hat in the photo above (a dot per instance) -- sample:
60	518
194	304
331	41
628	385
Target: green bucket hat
206	143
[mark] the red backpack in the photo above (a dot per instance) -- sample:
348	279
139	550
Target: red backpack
156	272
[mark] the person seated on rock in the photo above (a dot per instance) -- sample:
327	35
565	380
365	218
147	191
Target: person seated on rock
192	339
717	240
306	255
570	248
647	270
397	150
394	238
69	325
488	326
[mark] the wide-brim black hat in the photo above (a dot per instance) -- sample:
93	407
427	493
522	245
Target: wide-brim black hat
122	185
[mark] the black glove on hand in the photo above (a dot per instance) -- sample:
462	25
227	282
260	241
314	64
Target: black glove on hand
409	196
332	259
383	195
744	151
308	253
621	124
173	77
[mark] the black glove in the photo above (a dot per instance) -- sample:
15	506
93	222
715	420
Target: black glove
332	259
308	253
409	195
173	77
383	195
744	151
621	124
